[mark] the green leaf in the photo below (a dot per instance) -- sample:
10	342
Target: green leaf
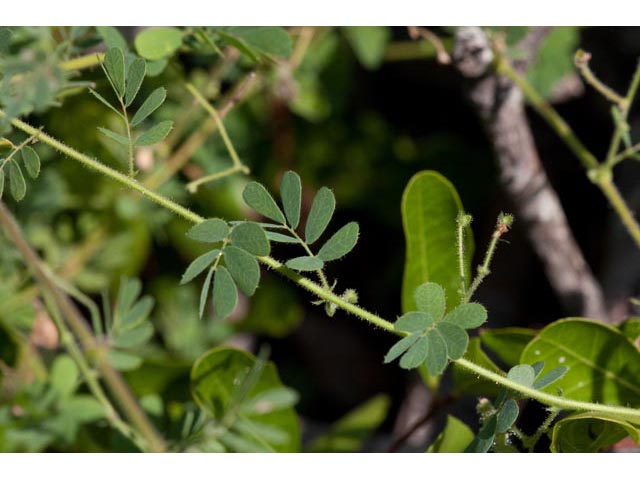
64	376
291	194
437	357
157	43
430	297
150	105
199	265
225	294
136	314
349	433
269	401
134	337
416	354
550	377
251	237
264	433
123	361
266	40
82	409
278	237
400	347
604	366
341	243
155	134
204	292
369	44
1	183
121	139
554	60
630	328
590	432
135	76
484	440
467	315
430	206
305	264
105	102
210	231
320	214
456	339
114	66
257	197
244	269
522	374
507	343
455	437
31	161
112	38
215	379
413	322
507	415
17	185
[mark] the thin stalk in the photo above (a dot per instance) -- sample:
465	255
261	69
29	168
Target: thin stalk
622	209
329	296
582	62
128	125
117	386
530	442
193	186
80	63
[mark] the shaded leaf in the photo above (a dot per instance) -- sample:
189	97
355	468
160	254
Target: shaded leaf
341	243
210	231
467	315
369	44
150	105
430	297
507	415
484	440
456	339
244	269
291	194
322	208
430	206
604	366
590	432
400	347
251	237
157	43
114	65
258	198
455	437
31	161
17	185
522	374
155	134
305	264
416	354
437	357
105	102
135	76
225	294
199	265
413	322
121	139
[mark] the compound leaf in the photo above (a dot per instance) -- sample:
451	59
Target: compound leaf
199	265
155	134
150	105
305	264
291	194
251	237
210	231
258	198
244	269
320	214
341	243
225	294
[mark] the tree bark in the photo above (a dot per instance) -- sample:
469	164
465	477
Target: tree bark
500	106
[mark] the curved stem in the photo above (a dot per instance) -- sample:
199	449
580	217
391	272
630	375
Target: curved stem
318	290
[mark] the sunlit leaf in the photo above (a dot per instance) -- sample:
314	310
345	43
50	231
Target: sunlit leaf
157	43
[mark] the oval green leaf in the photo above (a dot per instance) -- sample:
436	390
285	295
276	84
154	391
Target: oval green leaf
320	214
258	198
416	354
341	243
31	161
467	315
199	265
244	269
291	194
210	231
17	185
437	357
150	105
413	322
225	294
251	237
155	134
157	43
430	297
456	339
305	264
430	206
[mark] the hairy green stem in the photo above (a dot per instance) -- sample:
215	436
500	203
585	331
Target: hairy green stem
318	290
80	63
530	442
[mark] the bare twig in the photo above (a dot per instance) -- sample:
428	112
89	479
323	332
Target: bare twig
417	33
500	106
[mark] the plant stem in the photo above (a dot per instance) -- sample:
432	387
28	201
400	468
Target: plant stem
321	292
321	275
599	174
112	378
595	82
85	61
530	442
